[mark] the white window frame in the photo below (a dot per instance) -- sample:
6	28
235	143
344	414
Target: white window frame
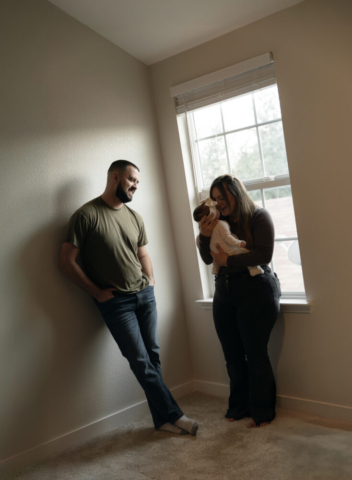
260	184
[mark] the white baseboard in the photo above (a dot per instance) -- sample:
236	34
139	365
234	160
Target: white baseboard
329	410
210	388
105	425
83	434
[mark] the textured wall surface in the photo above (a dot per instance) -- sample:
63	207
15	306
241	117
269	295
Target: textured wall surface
72	103
311	43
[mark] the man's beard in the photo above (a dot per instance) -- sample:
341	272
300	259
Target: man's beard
122	195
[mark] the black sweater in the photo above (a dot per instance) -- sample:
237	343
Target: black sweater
262	229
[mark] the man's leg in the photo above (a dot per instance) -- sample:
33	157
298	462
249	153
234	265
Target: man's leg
121	319
147	318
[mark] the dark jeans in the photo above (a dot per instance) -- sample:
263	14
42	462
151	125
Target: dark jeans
245	309
132	321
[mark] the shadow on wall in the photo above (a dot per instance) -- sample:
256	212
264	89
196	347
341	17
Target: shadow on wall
54	342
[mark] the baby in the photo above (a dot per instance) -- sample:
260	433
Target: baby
222	236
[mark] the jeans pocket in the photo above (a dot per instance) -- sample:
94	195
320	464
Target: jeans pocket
106	301
104	307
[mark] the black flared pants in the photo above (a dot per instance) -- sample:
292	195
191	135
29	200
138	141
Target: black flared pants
245	310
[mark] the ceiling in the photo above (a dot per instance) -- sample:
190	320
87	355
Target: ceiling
152	30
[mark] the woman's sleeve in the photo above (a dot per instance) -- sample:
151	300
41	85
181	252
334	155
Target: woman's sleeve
203	244
263	240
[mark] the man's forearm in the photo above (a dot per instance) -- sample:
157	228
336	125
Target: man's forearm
147	268
77	275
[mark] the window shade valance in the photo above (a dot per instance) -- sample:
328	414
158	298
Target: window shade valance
226	88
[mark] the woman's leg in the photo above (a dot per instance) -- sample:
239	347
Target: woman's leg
224	313
255	319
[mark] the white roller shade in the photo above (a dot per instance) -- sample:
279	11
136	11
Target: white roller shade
225	88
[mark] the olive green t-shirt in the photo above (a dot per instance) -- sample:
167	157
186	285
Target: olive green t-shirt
108	240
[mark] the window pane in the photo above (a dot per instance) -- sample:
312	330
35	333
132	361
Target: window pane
279	203
273	148
207	121
244	154
238	112
256	197
267	104
212	159
289	273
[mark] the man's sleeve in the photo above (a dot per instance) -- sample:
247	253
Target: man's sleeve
78	229
142	239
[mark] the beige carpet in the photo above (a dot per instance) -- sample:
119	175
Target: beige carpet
295	446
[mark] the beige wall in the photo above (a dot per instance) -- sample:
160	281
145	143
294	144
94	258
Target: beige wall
72	103
312	47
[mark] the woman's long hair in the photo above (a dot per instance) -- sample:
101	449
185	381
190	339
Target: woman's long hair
244	208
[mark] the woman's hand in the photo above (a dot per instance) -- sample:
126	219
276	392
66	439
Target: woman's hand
221	257
207	225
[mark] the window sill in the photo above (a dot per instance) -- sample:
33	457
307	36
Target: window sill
287	305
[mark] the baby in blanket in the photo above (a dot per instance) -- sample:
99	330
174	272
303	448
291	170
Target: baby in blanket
222	235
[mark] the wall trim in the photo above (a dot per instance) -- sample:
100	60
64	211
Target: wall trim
111	422
329	410
88	432
287	305
211	388
313	407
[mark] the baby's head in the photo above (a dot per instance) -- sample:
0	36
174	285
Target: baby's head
203	210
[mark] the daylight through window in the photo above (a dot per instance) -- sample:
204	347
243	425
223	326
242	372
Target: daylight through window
243	136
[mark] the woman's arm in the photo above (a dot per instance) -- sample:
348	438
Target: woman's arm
263	240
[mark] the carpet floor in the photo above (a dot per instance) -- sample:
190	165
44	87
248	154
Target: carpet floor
295	446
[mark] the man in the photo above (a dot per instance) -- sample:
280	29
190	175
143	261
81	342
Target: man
118	274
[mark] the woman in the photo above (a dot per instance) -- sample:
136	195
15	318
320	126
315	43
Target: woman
245	308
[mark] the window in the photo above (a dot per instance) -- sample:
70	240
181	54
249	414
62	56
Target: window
234	126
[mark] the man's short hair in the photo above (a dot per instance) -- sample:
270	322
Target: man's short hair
121	165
